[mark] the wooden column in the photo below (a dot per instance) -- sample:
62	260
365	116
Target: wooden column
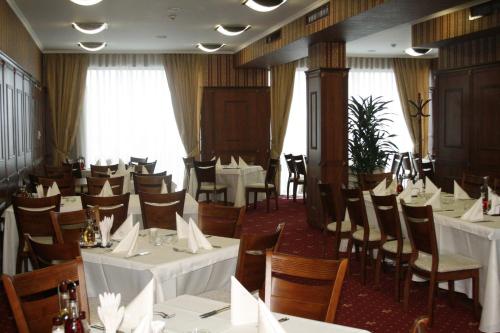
327	99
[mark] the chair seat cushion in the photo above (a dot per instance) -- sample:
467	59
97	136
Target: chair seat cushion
210	186
392	246
447	262
345	226
374	235
260	185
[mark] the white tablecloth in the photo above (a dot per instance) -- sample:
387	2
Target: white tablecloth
68	204
188	308
235	179
479	240
174	273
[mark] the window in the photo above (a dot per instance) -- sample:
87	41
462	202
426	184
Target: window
128	112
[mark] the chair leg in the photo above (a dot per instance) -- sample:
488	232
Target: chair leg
208	197
430	301
378	265
409	275
197	195
267	201
363	264
451	292
255	200
288	190
247	197
276	198
304	189
349	252
475	294
398	278
225	197
18	263
295	192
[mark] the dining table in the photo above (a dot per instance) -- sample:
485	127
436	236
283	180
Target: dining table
69	204
477	240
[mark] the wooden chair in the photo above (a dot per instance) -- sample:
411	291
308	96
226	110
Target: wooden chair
102	170
392	243
44	255
368	181
207	180
268	187
304	287
332	213
366	238
428	170
291	173
116	205
416	162
137	160
420	325
66	184
32	217
151	184
95	184
427	262
75	168
472	184
150	167
251	265
300	176
220	220
406	164
68	226
396	164
63	171
188	166
33	296
158	210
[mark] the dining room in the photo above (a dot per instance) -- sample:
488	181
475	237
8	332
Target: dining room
249	166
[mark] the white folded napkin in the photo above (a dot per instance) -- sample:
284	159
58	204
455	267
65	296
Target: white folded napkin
39	191
98	162
242	163
459	192
200	238
105	228
267	321
213	158
430	187
109	161
110	312
144	170
233	163
53	190
144	325
392	188
419	184
121	165
218	164
128	243
495	204
124	229
106	190
406	193
435	200
164	189
475	213
380	189
140	307
109	172
157	326
244	307
182	227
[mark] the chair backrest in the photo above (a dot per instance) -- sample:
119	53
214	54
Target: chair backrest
158	210
251	266
75	168
151	184
428	170
150	167
272	170
416	162
419	222
386	210
304	287
368	181
396	164
329	205
66	184
95	184
68	226
102	170
58	171
205	172
406	164
472	184
44	255
137	160
223	221
290	164
117	205
33	295
188	163
300	165
355	204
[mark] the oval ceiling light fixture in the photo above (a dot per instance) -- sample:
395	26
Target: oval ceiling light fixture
86	2
92	46
232	30
417	51
263	5
90	28
207	47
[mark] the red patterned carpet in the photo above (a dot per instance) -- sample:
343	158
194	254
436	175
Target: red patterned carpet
360	306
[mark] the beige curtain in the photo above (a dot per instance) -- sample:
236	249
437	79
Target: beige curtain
185	75
65	76
412	78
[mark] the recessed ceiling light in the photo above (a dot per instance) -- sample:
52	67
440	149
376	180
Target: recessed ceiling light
263	5
86	2
92	46
90	28
232	30
417	51
206	47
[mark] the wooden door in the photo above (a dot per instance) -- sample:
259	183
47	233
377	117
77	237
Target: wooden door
236	121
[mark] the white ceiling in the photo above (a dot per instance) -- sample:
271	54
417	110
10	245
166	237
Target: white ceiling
134	25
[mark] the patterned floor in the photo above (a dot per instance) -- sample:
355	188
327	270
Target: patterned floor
361	306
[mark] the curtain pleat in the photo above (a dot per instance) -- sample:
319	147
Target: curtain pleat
65	76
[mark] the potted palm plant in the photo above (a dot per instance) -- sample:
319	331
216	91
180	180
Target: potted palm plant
369	142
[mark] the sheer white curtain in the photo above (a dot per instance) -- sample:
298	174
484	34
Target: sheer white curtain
128	112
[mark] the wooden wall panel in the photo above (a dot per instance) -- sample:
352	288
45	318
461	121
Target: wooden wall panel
479	51
16	42
220	72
